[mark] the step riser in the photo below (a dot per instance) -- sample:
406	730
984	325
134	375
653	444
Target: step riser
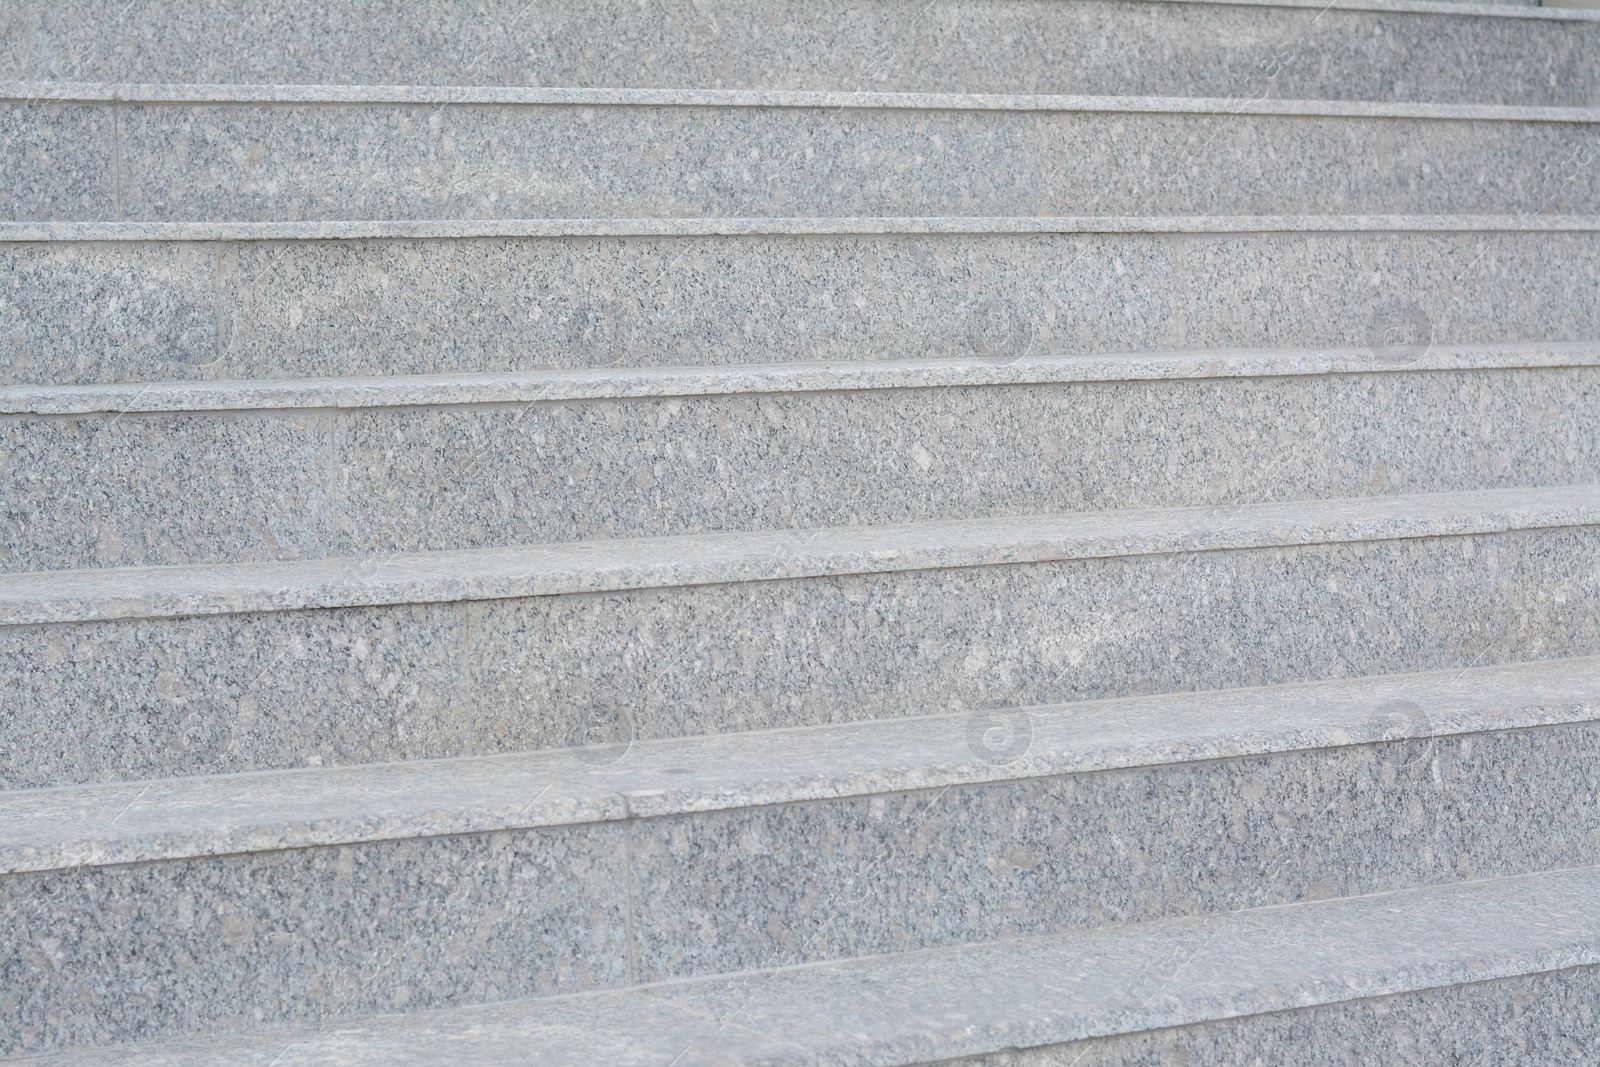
258	938
755	888
263	163
105	825
95	312
121	490
943	1004
544	532
1546	1018
1205	50
161	697
481	918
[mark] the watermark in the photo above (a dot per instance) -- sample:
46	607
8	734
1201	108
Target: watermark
607	736
1404	720
1400	334
1000	737
1000	334
1161	970
1400	720
881	64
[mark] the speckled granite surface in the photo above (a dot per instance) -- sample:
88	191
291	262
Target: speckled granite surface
431	922
120	489
676	764
754	888
57	161
608	780
74	311
1547	1019
763	226
115	953
761	379
243	162
305	309
931	1006
630	1030
949	1003
723	558
1400	51
282	689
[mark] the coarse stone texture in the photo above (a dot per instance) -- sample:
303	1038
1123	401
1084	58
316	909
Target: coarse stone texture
107	312
256	691
534	913
756	888
56	162
351	308
533	387
119	490
616	564
241	692
242	162
1240	52
149	950
355	307
962	1001
758	656
1548	1018
815	460
213	815
919	1007
1364	288
129	490
1111	164
861	532
562	162
463	478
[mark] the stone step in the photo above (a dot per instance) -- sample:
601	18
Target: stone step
1446	960
814	531
1333	788
242	667
109	476
612	780
357	153
154	302
668	382
1371	50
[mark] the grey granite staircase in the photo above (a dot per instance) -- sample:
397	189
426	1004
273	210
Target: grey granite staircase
827	532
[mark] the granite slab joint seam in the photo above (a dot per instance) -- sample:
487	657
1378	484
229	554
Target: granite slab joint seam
675	561
776	226
488	96
116	160
560	385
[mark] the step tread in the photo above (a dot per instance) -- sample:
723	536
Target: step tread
439	95
46	829
772	226
609	383
1528	9
35	597
934	1004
